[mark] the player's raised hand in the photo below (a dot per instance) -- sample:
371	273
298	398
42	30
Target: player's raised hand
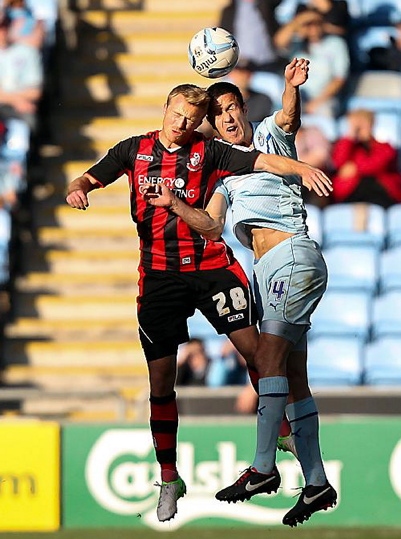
296	72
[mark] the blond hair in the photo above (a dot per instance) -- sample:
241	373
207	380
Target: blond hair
193	94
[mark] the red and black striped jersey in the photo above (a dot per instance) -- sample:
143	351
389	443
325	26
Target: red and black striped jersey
191	171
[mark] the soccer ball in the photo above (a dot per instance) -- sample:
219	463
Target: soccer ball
213	52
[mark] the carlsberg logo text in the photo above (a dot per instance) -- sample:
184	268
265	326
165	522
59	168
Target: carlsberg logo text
121	473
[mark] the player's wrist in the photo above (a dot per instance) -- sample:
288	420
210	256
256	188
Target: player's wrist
173	204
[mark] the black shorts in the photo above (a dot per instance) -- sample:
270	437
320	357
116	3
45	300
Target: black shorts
167	299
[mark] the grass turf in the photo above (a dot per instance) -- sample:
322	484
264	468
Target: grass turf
223	533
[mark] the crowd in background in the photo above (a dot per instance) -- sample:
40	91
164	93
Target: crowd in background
27	38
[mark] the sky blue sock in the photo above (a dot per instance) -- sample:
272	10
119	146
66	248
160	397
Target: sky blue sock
304	420
273	393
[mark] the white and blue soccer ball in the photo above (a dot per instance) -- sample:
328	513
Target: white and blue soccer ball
213	52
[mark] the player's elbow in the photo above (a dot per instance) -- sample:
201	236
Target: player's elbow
213	233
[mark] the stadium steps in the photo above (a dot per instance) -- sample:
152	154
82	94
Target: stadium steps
74	311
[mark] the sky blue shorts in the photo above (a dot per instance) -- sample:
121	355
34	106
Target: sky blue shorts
290	280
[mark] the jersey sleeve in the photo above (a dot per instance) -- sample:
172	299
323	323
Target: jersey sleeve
231	159
115	163
221	189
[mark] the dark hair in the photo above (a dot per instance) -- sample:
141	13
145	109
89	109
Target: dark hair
218	89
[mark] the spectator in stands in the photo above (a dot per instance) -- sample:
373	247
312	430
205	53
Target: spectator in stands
24	27
335	15
304	36
21	78
228	370
253	22
192	363
366	169
315	148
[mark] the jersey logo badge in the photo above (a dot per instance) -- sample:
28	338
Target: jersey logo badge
261	139
186	260
195	162
142	157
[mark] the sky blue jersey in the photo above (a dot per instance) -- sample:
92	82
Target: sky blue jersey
263	199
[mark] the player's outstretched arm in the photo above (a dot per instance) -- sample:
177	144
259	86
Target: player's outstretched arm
312	178
78	189
208	223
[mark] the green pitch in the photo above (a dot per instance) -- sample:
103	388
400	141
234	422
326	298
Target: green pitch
225	533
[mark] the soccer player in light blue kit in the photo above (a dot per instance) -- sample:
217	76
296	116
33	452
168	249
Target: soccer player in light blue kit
290	274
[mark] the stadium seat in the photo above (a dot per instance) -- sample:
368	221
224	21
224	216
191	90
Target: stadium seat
390	270
379	84
314	222
47	11
364	39
379	12
285	11
386	315
353	268
342	314
335	361
326	124
394	226
354	224
383	362
378	104
270	84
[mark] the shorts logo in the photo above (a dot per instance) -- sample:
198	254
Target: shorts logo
186	260
278	289
235	317
142	157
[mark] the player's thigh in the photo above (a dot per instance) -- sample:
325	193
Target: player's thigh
290	280
164	304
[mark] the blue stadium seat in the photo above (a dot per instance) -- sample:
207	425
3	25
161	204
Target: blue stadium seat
335	361
390	270
285	11
364	39
326	124
394	226
353	268
342	314
270	84
386	315
314	222
383	362
378	104
379	12
354	224
47	11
